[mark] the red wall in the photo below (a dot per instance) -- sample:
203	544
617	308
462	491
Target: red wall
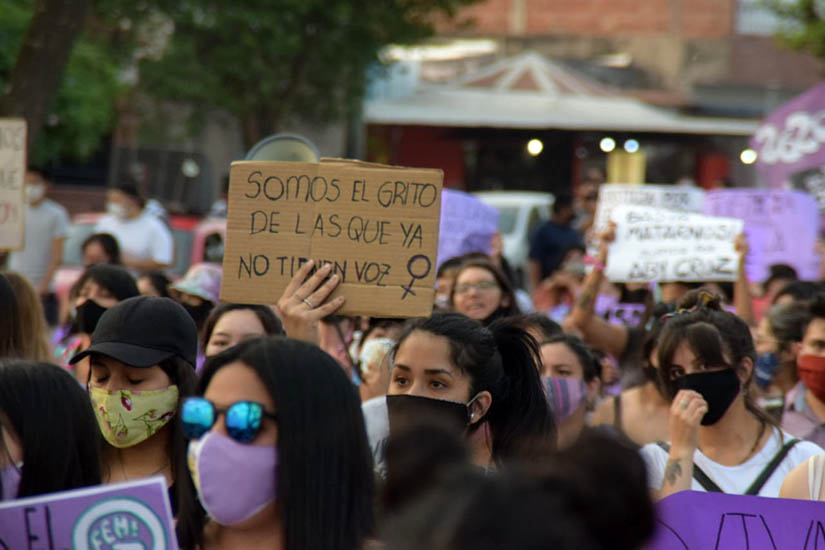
419	147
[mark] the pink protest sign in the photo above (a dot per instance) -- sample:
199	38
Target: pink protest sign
791	139
126	516
781	227
693	520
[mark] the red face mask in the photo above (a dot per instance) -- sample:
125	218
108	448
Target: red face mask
811	369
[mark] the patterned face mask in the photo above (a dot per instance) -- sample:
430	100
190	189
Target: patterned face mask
127	417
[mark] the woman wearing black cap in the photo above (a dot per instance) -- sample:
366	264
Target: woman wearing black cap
142	358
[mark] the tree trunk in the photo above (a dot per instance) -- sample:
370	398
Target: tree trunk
42	59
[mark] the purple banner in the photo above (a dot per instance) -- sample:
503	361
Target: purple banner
700	521
781	227
126	516
467	225
618	313
791	139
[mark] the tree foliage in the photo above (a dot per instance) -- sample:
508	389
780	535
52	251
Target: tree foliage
803	24
270	62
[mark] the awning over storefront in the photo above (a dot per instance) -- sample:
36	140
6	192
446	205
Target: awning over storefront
531	92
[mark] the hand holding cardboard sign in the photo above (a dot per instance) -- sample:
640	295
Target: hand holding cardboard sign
303	303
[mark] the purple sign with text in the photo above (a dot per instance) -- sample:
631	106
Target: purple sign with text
467	225
693	520
791	139
126	516
781	227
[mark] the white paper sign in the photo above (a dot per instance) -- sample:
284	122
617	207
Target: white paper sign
672	197
653	244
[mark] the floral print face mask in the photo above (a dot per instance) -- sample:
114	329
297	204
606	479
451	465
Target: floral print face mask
127	417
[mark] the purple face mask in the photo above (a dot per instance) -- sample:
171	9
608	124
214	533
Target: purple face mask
564	395
10	481
234	481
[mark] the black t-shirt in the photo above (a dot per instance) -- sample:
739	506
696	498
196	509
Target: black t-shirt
550	243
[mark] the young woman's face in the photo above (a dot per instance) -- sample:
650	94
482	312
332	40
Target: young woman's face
238	382
559	360
94	253
92	290
111	375
423	367
764	339
685	362
477	294
232	328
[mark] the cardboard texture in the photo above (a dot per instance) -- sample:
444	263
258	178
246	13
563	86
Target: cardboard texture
12	177
126	516
378	225
653	244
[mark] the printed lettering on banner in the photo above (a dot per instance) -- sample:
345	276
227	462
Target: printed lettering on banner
378	226
126	516
12	177
653	244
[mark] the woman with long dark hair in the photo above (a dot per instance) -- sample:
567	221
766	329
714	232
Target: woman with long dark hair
142	358
277	451
720	440
48	435
481	381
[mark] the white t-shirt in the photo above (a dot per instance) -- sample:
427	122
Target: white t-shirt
143	238
736	479
44	223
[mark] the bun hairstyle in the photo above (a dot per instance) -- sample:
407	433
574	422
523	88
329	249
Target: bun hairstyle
717	338
502	359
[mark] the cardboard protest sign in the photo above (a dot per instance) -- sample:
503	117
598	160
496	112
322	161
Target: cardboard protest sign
12	176
377	225
126	516
693	520
653	244
467	225
671	197
781	227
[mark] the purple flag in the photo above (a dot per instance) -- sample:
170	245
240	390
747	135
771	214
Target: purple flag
790	141
693	520
126	516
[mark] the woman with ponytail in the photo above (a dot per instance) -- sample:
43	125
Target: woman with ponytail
483	382
719	439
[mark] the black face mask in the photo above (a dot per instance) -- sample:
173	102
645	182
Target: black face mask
199	313
88	316
409	410
719	388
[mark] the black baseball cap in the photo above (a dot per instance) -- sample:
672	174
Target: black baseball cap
144	331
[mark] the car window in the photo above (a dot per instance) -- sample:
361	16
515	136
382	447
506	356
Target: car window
507	219
72	251
213	248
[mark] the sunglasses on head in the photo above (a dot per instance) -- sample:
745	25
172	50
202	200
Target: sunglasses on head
243	418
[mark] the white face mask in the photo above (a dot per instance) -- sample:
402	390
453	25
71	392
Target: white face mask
35	191
116	209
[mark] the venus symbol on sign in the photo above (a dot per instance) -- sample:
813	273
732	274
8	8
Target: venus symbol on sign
418	258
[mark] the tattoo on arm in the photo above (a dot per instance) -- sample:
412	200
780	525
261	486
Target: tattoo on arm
585	300
672	471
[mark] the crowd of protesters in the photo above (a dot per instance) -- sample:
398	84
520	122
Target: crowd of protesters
510	417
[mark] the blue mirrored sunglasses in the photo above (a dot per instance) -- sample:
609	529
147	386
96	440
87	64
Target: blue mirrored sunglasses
243	418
